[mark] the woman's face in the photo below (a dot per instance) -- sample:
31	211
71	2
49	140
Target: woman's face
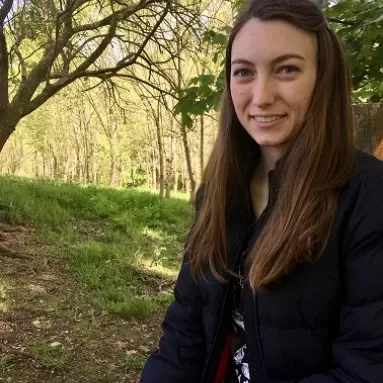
273	75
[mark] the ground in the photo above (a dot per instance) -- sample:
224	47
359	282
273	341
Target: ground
48	330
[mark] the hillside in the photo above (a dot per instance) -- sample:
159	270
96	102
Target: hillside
86	275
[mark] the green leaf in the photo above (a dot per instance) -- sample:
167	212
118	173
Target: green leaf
206	78
187	121
375	21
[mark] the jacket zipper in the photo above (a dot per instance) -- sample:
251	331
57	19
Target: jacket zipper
238	253
220	326
256	362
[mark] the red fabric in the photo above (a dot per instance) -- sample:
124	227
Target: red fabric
224	361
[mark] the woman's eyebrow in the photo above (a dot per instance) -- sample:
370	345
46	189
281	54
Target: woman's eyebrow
274	61
241	61
287	56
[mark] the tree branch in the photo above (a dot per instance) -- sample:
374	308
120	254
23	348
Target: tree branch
125	63
65	47
4	10
50	89
81	72
22	63
151	85
122	14
36	76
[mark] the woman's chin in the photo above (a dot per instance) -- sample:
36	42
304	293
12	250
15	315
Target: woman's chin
270	142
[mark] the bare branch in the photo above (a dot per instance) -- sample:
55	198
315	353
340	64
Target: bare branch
84	44
22	62
149	84
50	90
125	63
123	14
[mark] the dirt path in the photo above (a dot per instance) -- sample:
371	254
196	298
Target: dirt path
48	330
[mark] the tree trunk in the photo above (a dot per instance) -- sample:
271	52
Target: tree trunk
189	164
175	170
114	152
112	170
44	165
183	183
133	174
55	166
168	178
94	164
202	148
161	155
80	170
154	170
148	172
120	170
37	173
8	123
66	165
154	177
169	168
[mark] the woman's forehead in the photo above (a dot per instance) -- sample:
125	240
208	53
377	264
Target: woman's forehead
265	40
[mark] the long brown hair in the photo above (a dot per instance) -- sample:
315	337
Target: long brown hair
319	161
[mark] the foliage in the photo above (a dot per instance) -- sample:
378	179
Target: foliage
202	95
360	27
203	92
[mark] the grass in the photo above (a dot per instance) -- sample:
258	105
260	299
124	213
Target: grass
121	244
53	309
134	362
3	289
49	357
4	363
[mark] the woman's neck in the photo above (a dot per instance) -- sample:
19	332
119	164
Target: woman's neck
268	161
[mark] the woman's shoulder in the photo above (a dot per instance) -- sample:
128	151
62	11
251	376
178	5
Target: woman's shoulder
364	190
359	217
368	171
368	166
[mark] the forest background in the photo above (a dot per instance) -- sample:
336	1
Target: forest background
126	94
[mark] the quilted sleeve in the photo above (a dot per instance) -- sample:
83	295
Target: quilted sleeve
358	352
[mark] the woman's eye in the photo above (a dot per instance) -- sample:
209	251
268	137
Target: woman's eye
289	69
241	73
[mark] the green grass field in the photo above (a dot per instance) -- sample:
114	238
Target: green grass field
117	243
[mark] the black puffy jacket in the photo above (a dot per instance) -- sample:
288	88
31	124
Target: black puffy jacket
324	324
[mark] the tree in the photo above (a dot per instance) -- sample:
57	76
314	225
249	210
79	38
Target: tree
165	84
45	45
359	23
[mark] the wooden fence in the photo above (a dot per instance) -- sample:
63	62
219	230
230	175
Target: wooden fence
369	128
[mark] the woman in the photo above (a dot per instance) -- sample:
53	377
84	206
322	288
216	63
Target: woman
282	275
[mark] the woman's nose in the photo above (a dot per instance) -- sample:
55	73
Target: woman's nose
263	92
